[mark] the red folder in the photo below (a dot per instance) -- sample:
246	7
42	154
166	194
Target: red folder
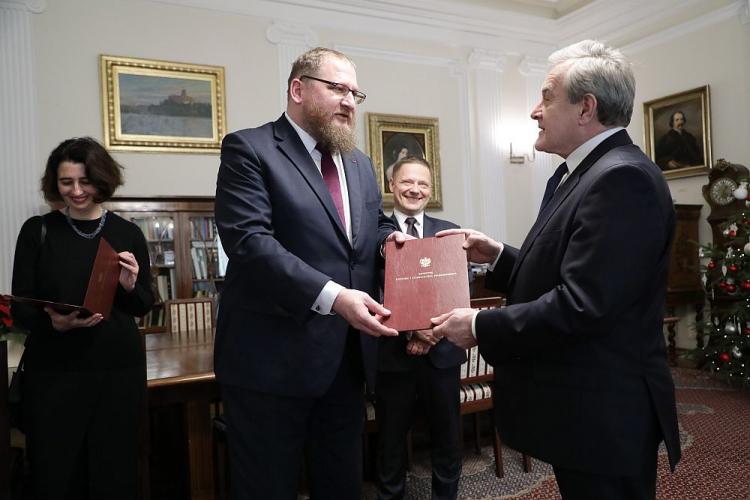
100	293
423	279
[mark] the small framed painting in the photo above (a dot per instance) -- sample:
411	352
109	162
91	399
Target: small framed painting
677	132
161	106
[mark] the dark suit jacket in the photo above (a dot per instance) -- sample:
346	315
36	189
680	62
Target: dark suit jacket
581	373
285	240
392	356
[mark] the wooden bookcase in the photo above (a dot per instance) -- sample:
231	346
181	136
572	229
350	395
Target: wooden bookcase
183	246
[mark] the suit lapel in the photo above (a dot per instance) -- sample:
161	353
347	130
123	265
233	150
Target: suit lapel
428	230
291	146
620	138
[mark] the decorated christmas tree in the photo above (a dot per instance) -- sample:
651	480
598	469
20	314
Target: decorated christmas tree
725	275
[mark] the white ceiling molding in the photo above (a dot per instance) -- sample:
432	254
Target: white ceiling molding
462	25
456	71
695	24
612	19
419	19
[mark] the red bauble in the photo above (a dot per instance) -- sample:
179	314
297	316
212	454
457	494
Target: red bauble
711	265
732	234
722	284
732	267
731	288
746	330
746	285
724	356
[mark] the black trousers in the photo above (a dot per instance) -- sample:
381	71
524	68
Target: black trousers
83	431
436	391
267	434
575	485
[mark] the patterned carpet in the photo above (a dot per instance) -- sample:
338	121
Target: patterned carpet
715	434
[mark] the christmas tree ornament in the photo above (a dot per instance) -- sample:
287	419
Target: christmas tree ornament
736	353
732	289
722	284
730	328
746	249
726	232
741	192
724	356
712	264
733	268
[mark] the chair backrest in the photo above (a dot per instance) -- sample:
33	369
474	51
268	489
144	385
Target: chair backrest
475	369
190	315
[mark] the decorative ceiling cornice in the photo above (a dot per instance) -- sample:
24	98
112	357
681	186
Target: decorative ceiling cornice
480	27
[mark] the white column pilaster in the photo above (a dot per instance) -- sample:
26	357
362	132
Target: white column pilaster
291	41
488	66
535	70
20	169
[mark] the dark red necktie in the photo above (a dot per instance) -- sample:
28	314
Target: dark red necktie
331	177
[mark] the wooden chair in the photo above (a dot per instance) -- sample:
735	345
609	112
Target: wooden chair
476	391
190	316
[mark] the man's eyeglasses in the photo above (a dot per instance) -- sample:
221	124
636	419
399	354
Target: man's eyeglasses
340	89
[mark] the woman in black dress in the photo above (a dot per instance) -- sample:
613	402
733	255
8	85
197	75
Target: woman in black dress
84	379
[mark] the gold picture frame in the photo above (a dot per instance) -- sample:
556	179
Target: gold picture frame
162	106
388	136
681	147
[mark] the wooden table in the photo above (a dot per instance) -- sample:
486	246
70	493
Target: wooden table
180	371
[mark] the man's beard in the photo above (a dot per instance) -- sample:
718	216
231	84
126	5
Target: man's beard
321	127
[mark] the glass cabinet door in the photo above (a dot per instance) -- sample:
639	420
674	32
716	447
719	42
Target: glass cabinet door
159	232
206	270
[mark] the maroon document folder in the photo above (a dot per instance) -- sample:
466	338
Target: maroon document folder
423	279
100	293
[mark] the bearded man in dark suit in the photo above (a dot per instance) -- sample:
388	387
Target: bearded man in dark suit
298	212
581	374
414	369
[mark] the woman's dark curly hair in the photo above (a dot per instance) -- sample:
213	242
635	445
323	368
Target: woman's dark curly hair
104	173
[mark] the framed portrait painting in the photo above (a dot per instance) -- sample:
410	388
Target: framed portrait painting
677	132
161	106
392	137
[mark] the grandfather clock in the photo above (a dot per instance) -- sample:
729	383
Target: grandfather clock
723	179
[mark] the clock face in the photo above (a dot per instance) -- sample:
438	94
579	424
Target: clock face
722	191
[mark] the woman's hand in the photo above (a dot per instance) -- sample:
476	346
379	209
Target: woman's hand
65	322
128	271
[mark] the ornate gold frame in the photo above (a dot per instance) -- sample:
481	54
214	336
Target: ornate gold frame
656	123
423	131
111	67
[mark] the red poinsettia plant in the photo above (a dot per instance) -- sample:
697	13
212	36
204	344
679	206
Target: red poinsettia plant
7	325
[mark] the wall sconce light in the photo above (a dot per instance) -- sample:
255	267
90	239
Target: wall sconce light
522	158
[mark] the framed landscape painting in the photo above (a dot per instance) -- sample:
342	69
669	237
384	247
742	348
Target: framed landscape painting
677	131
161	106
392	137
